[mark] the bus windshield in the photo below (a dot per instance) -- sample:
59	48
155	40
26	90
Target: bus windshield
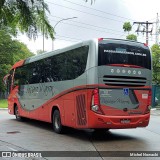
123	52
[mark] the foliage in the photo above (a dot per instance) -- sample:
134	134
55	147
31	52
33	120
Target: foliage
3	103
156	63
92	1
132	37
28	16
4	69
127	27
40	51
11	51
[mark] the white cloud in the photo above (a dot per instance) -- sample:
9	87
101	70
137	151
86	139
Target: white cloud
100	24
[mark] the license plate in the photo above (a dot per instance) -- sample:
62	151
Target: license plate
125	121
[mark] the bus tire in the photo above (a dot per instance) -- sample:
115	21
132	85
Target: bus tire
56	122
18	117
101	131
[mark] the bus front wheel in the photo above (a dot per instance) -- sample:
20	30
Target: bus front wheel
16	111
56	121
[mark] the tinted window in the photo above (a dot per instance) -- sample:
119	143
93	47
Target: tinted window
117	53
21	76
65	66
69	65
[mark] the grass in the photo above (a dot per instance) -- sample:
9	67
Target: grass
3	103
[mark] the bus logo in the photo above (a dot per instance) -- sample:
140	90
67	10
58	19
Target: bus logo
126	91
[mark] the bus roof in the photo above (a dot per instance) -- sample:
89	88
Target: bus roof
58	51
125	40
51	53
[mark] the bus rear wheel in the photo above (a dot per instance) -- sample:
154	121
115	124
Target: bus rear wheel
56	121
101	131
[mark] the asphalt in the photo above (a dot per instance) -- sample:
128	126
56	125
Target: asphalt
33	135
155	111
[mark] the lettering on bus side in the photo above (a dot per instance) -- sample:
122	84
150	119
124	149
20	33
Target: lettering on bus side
41	88
113	101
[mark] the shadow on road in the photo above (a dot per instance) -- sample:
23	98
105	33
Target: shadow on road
85	134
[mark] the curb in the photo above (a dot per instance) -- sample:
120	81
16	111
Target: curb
153	109
3	108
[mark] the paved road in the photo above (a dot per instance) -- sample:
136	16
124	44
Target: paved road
32	135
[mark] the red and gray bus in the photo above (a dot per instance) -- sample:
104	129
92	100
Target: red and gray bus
98	84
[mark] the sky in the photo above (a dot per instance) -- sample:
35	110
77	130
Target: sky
103	18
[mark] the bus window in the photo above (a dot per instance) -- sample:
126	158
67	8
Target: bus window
124	53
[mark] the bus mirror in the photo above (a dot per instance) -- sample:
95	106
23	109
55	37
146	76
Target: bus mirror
5	82
5	79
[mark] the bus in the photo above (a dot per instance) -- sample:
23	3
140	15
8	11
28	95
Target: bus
98	84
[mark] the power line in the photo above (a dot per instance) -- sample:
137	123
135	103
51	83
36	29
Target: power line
87	28
69	38
157	29
145	26
66	40
85	12
98	10
88	24
75	39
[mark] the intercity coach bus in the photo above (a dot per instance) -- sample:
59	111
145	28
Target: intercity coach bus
98	84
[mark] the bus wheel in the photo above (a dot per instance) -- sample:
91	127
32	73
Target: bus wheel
101	131
57	125
18	117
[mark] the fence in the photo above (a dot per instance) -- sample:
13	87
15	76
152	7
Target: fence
155	96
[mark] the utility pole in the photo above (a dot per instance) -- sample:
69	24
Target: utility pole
43	26
145	29
157	29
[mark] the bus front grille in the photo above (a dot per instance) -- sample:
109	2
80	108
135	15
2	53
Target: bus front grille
81	110
124	81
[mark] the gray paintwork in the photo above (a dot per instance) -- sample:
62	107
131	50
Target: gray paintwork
117	99
34	95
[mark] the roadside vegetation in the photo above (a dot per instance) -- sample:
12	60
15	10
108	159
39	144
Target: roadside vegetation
3	103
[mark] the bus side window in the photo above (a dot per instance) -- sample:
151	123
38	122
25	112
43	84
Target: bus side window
20	77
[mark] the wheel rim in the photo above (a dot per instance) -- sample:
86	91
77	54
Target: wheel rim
57	122
17	113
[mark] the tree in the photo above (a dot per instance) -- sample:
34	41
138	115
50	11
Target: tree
91	1
22	52
132	37
28	16
156	63
127	27
11	51
40	51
